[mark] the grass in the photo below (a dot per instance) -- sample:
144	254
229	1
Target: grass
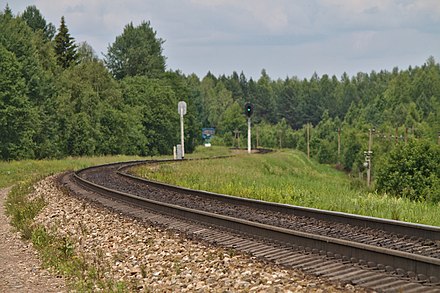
289	177
56	252
213	151
17	171
286	177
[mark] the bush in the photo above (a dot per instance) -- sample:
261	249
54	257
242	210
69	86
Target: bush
413	171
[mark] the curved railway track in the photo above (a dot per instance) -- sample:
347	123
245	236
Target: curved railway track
377	254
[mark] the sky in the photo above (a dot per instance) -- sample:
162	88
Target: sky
287	38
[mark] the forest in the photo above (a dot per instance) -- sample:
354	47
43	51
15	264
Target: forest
58	99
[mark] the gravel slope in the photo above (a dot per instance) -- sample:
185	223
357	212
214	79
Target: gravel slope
148	259
20	268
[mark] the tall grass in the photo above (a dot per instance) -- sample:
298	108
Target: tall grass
289	177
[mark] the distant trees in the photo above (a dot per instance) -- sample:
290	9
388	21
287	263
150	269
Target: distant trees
138	51
57	99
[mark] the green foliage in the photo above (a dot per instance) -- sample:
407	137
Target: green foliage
154	102
136	52
33	18
65	47
232	120
412	171
17	118
352	156
21	209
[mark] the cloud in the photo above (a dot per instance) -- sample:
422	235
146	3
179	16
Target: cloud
285	37
269	15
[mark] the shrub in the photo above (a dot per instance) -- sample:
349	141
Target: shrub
413	171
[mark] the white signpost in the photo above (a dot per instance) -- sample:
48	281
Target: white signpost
181	108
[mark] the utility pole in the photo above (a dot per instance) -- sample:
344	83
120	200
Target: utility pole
256	129
237	137
368	156
406	135
308	141
339	145
281	145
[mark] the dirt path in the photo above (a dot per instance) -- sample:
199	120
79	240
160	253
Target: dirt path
20	268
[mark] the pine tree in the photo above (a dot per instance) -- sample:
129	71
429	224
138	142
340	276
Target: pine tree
65	47
8	11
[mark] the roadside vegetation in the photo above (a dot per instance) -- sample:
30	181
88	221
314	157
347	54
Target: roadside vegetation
57	253
287	176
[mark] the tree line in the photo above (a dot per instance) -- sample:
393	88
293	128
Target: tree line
58	98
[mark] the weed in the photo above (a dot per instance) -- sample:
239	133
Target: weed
177	267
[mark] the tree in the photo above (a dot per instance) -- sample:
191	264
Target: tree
154	104
65	47
17	117
8	11
233	119
137	52
36	21
86	53
412	171
264	100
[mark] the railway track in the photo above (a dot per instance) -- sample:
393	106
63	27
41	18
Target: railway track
377	254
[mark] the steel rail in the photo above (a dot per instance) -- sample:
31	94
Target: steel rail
421	266
392	226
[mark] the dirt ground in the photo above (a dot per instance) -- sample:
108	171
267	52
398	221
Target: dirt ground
20	268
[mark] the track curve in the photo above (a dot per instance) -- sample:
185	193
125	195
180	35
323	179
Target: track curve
407	254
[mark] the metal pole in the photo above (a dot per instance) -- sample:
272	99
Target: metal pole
249	135
370	142
181	135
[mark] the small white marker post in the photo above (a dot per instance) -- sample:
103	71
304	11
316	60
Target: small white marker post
181	108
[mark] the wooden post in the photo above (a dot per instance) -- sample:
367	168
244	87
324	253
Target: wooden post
256	128
339	144
281	145
406	135
308	140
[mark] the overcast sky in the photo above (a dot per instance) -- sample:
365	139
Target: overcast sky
285	37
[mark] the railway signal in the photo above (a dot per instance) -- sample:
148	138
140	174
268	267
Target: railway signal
249	109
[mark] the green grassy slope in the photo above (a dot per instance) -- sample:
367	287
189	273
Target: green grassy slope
289	177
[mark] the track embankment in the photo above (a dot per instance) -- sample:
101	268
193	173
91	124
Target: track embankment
319	242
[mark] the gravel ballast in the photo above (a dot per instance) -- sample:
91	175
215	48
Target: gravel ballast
145	258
